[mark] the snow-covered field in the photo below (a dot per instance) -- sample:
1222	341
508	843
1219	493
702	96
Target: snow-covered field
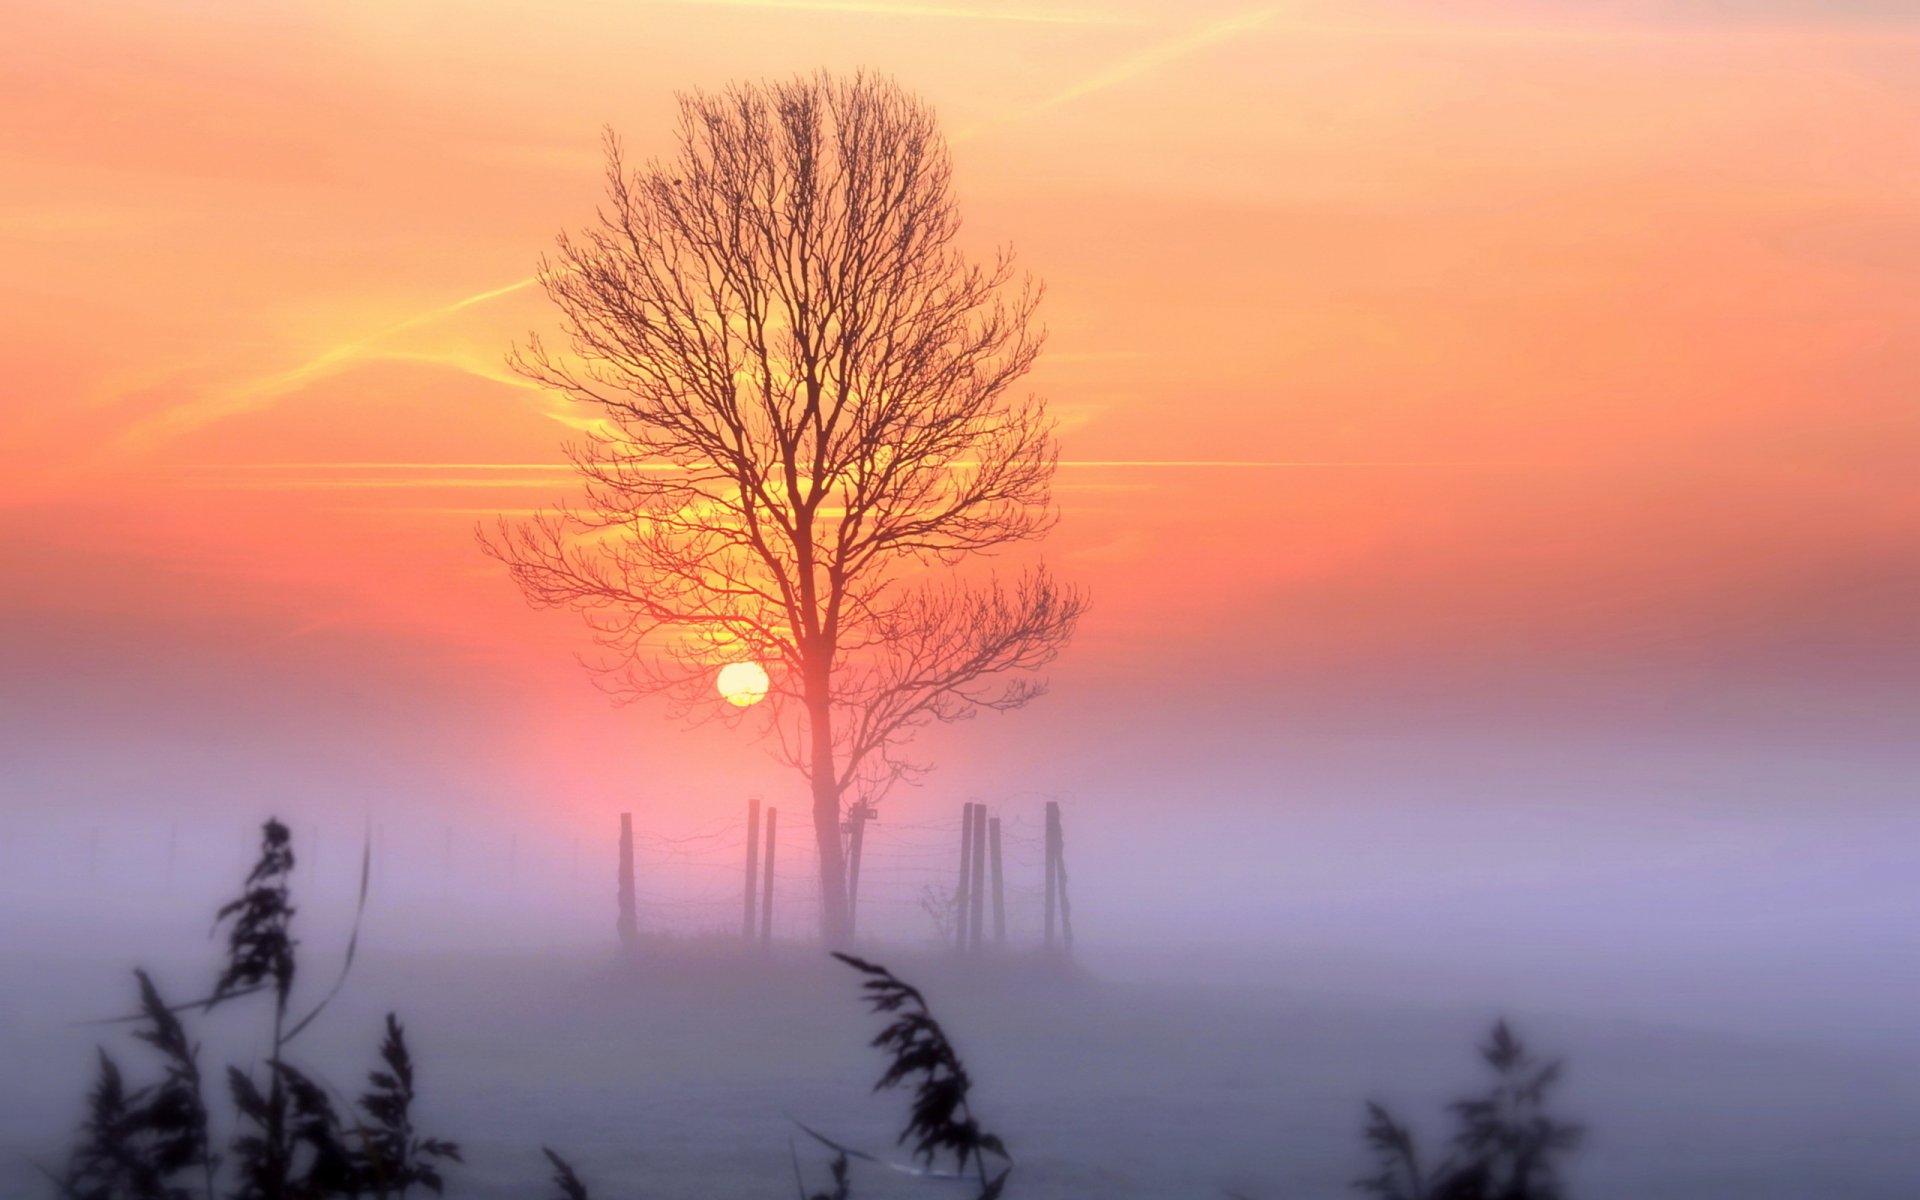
680	1072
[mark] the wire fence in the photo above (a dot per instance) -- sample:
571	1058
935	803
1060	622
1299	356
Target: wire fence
485	878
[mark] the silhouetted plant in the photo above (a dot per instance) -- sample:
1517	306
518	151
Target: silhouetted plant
393	1157
176	1112
260	944
261	954
1396	1155
568	1184
842	1181
111	1158
140	1144
318	1161
289	1141
940	1119
292	1143
1506	1148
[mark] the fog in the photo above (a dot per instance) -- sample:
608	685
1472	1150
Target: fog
1728	969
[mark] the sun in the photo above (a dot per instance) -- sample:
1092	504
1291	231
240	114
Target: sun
742	683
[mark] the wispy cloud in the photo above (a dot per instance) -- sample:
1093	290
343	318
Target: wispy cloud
884	8
408	510
257	392
254	393
1244	464
354	475
443	483
376	466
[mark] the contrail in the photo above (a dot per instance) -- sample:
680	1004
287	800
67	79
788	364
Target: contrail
1153	57
476	298
1139	63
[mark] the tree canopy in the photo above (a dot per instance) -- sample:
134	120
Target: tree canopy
806	423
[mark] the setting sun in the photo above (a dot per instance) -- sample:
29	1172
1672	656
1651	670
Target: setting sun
743	684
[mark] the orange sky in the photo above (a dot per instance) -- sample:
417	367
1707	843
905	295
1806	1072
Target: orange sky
1542	369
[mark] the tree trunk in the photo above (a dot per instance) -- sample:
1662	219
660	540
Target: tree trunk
835	929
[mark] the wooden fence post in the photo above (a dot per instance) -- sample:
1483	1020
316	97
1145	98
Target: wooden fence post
628	924
856	839
999	884
766	890
1053	867
966	874
753	864
976	920
1060	877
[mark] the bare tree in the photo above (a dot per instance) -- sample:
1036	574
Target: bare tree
805	426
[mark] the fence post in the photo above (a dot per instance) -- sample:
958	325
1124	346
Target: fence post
1053	866
753	863
976	921
629	925
856	838
999	884
766	890
1060	876
966	873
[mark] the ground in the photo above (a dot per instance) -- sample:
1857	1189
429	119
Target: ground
681	1071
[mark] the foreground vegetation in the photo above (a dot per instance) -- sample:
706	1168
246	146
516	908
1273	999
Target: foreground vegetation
289	1135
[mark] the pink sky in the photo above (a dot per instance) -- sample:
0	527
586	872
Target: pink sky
1519	375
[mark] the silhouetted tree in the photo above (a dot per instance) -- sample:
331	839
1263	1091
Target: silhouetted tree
804	423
